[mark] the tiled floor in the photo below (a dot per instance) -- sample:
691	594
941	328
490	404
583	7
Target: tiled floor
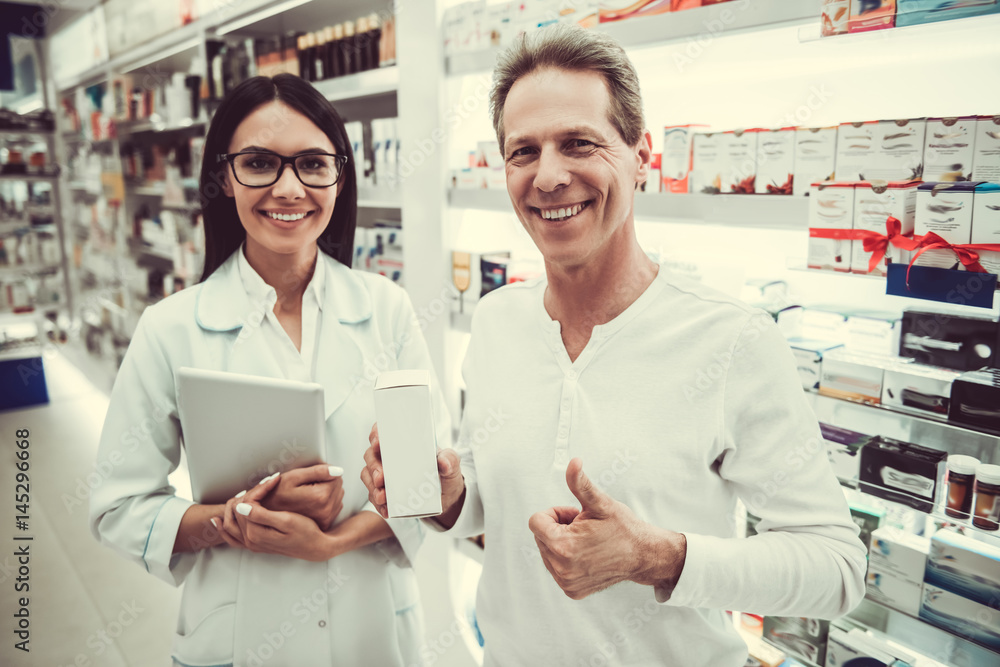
88	606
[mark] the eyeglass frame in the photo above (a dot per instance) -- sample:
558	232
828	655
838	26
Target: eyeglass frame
231	158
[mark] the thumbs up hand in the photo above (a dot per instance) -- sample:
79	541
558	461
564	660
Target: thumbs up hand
589	549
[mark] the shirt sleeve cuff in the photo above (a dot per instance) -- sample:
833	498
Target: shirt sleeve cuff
408	535
159	556
685	593
470	521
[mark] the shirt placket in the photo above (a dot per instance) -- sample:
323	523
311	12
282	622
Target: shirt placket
566	400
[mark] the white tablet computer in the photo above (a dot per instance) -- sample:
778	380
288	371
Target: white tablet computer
238	429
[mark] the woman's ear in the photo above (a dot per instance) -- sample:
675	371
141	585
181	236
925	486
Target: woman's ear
227	185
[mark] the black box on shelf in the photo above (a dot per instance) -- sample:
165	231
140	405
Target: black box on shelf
902	472
975	399
953	341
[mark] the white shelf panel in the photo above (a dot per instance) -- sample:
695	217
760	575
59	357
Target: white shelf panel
700	23
379	198
754	211
383	81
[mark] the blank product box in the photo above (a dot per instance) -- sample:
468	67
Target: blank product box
408	442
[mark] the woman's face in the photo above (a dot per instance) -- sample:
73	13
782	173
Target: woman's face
286	218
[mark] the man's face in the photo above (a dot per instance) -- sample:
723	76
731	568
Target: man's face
570	175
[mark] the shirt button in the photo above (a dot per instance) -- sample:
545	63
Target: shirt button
322	624
571	375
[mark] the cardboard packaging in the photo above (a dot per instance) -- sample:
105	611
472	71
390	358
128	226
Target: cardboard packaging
872	332
949	146
975	396
962	343
845	649
899	150
853	377
961	616
874	203
825	323
493	271
776	161
912	12
965	566
488	155
857	144
815	157
986	224
677	159
835	16
902	472
867	519
805	637
945	209
407	438
900	554
871	15
809	357
619	10
843	450
892	591
986	160
739	151
919	389
707	163
831	206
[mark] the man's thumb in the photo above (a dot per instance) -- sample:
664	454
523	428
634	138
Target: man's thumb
590	496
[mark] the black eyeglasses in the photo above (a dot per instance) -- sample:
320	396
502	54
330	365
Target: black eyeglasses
259	170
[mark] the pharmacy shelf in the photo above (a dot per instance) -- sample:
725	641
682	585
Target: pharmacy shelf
705	23
156	124
7	272
918	429
31	178
750	211
932	31
11	228
20	132
379	198
927	638
372	83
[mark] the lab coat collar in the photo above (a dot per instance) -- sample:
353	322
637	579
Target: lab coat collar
223	303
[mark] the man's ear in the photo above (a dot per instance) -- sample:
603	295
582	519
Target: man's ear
643	155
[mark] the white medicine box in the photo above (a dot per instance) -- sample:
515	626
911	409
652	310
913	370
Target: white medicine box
408	441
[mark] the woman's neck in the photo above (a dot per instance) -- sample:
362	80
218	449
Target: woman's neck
287	274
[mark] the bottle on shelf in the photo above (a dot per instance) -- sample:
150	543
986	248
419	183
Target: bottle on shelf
329	48
361	37
319	56
374	42
309	73
347	49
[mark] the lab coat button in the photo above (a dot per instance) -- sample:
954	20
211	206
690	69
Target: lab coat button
322	624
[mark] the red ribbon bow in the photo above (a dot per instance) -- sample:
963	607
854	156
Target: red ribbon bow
966	252
873	242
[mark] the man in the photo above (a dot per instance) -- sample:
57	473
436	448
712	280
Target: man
604	362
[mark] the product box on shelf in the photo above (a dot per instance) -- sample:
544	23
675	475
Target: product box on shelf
857	146
853	376
488	154
815	157
584	13
493	271
652	182
874	203
986	224
912	12
677	159
843	450
945	209
831	206
776	161
802	636
409	443
900	554
975	399
873	332
871	15
846	649
918	388
619	10
949	145
964	565
891	590
809	357
707	163
959	342
902	472
961	616
986	161
824	322
835	15
899	152
739	154
867	518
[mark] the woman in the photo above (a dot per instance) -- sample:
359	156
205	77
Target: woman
299	570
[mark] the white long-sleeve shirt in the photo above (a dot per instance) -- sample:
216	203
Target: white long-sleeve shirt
685	402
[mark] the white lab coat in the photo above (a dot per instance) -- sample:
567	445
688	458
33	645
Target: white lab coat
360	608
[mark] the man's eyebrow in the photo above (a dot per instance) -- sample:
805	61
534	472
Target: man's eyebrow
574	131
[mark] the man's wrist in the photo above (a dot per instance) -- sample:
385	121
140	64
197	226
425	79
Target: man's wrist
661	558
450	514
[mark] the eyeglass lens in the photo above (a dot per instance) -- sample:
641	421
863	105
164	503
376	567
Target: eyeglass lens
257	169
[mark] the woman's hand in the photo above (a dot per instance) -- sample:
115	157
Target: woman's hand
316	492
249	525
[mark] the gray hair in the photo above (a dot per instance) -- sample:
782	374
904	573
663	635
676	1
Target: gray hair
574	48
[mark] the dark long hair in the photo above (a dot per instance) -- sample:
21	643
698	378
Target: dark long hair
223	231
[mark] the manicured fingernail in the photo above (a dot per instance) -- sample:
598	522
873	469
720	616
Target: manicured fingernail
241	494
213	523
244	509
336	471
